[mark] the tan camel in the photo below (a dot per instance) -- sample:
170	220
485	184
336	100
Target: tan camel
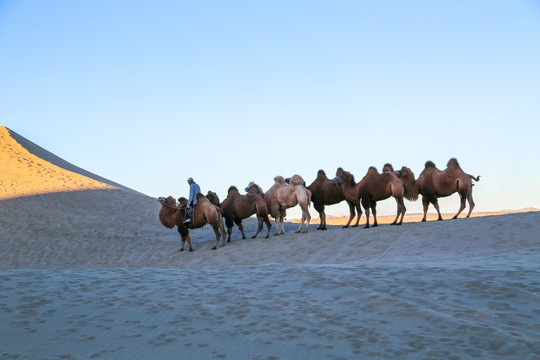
237	207
282	196
204	213
434	183
372	188
326	192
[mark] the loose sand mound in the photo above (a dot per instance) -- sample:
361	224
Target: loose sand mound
87	271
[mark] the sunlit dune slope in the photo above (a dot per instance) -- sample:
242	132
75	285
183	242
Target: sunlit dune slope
23	173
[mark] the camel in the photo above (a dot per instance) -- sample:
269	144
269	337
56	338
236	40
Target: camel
372	188
204	213
282	196
434	183
237	207
325	192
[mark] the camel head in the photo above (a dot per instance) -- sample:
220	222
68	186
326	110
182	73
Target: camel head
405	174
167	201
250	185
297	180
253	188
345	177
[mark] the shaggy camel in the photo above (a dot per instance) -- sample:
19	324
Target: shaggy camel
282	196
326	192
204	213
237	207
372	188
434	183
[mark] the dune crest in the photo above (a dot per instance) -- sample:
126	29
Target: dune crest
24	173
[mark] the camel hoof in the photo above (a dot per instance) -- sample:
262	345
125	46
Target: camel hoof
190	249
440	219
214	248
366	227
229	240
181	249
253	237
297	231
375	225
305	231
346	226
354	226
324	228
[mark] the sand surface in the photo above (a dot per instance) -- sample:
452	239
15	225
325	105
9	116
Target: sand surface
91	274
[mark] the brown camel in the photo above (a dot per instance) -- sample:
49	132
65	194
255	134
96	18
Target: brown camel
434	183
325	192
372	188
204	213
282	196
237	207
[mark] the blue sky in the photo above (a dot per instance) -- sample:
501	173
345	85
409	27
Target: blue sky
149	93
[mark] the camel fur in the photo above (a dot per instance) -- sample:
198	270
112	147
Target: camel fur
372	188
325	192
434	183
282	196
204	213
237	207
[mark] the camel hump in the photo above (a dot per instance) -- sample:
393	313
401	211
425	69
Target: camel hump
388	168
321	175
372	170
201	197
429	163
279	179
232	188
453	163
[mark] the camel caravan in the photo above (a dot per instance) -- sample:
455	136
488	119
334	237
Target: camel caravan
431	184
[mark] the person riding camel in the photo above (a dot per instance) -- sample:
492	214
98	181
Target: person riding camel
194	189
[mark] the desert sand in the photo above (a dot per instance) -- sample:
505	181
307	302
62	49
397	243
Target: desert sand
88	272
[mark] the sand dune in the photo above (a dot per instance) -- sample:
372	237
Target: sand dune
87	271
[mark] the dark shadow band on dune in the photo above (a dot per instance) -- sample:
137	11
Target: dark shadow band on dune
53	159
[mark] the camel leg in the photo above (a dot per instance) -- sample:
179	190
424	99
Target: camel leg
268	225
183	243
359	212
462	199
220	232
425	205
301	222
322	226
277	226
188	239
403	211
305	215
241	228
436	204
374	211
400	211
229	232
366	205
259	226
471	203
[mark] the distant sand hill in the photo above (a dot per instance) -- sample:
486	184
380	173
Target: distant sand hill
28	169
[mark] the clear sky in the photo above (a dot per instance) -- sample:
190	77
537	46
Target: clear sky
149	93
